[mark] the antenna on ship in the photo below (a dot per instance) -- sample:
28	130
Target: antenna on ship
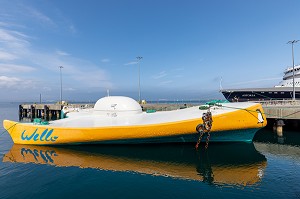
139	63
221	88
293	42
107	91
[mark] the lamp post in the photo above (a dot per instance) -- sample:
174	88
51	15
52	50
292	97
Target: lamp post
139	60
292	42
60	67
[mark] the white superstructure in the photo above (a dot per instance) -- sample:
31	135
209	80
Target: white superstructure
125	111
288	77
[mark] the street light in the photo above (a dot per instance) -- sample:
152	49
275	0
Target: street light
139	59
60	67
292	42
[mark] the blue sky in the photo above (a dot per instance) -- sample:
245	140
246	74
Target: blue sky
187	47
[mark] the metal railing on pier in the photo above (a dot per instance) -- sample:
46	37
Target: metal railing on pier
285	103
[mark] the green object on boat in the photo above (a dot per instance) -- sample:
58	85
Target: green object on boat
214	102
44	123
150	111
203	107
39	121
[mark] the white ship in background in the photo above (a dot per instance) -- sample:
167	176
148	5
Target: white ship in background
288	77
282	91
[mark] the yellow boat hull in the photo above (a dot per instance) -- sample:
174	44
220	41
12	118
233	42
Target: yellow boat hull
239	125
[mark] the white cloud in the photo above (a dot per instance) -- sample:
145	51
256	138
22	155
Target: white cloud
179	69
4	24
13	68
14	42
160	75
105	60
81	73
131	63
14	82
37	15
11	24
165	82
178	76
46	88
69	89
7	56
93	78
9	81
255	81
62	53
19	56
72	29
7	35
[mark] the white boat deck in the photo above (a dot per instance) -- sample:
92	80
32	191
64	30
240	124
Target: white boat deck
110	118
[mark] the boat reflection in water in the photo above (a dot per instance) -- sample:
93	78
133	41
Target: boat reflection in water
235	163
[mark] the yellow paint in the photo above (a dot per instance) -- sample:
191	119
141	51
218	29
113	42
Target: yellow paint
239	119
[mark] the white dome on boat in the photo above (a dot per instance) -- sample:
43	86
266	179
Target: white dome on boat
117	104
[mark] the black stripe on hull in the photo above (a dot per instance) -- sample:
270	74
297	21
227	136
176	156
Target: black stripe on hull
259	95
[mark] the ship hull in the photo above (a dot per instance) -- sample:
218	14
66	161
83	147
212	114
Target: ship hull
258	94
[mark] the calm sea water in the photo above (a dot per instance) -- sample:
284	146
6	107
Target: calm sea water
267	168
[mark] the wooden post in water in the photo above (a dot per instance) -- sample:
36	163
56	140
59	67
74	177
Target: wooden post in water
20	112
50	115
46	113
279	127
32	113
36	113
57	115
24	112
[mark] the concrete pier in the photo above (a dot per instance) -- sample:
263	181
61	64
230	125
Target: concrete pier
282	109
282	114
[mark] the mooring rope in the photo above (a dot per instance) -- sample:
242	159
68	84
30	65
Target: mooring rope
290	114
266	114
248	110
6	130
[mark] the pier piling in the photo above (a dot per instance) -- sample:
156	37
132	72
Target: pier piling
44	111
279	127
